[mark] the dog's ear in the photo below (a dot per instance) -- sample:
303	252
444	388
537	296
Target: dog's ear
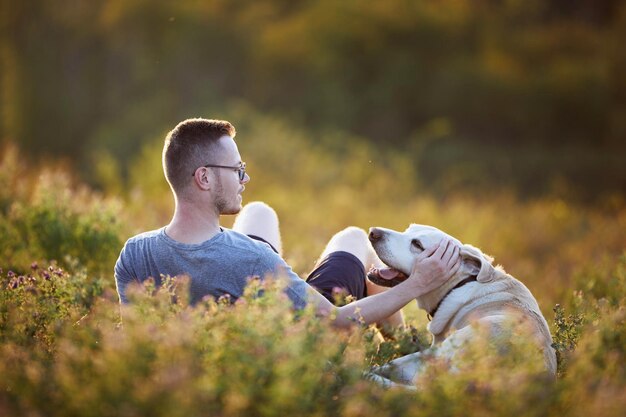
477	263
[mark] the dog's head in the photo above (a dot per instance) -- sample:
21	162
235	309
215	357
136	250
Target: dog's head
399	249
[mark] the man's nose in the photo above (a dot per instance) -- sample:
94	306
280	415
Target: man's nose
375	234
246	179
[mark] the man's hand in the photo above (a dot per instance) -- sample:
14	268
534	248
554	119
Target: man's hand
435	266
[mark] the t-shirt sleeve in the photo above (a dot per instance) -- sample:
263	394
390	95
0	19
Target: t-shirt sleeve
124	273
297	289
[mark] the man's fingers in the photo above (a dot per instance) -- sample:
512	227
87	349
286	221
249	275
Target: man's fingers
453	256
443	245
429	251
449	253
455	267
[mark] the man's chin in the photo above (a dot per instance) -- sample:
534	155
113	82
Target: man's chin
231	211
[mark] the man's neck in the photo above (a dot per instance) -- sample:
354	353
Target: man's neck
192	225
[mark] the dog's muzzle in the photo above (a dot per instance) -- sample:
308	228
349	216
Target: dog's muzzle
386	277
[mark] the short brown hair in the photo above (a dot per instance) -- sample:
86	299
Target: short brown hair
187	146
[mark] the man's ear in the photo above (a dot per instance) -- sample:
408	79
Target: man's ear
477	263
202	180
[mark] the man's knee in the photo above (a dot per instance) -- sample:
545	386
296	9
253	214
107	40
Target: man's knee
258	210
351	235
352	240
259	219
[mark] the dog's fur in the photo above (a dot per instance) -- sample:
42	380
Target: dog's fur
492	300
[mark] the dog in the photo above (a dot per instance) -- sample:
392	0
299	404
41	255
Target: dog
479	296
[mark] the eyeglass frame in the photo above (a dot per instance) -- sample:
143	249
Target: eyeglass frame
241	169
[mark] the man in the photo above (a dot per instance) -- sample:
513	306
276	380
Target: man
207	176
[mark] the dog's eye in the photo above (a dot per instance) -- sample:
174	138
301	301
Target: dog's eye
417	244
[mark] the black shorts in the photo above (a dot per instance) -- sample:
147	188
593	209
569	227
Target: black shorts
339	275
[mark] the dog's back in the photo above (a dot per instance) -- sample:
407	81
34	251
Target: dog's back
504	301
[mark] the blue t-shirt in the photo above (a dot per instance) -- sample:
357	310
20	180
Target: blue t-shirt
221	265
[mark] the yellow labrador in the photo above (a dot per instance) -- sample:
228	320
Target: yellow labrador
479	295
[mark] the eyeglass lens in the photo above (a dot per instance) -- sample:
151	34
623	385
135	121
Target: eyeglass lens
242	172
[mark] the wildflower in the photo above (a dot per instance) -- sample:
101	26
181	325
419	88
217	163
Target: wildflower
225	300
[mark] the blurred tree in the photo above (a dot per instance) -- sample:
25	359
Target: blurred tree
617	79
83	79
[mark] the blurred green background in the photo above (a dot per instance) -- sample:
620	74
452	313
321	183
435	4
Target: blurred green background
528	96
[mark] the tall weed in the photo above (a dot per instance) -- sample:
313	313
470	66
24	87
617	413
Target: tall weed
256	357
49	216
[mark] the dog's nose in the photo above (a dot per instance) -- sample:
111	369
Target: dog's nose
375	234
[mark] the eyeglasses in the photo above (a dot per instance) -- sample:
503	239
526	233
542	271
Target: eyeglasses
241	169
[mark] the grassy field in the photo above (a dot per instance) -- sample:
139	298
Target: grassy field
65	352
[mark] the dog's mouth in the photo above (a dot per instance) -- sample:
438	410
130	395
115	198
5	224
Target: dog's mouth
386	277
